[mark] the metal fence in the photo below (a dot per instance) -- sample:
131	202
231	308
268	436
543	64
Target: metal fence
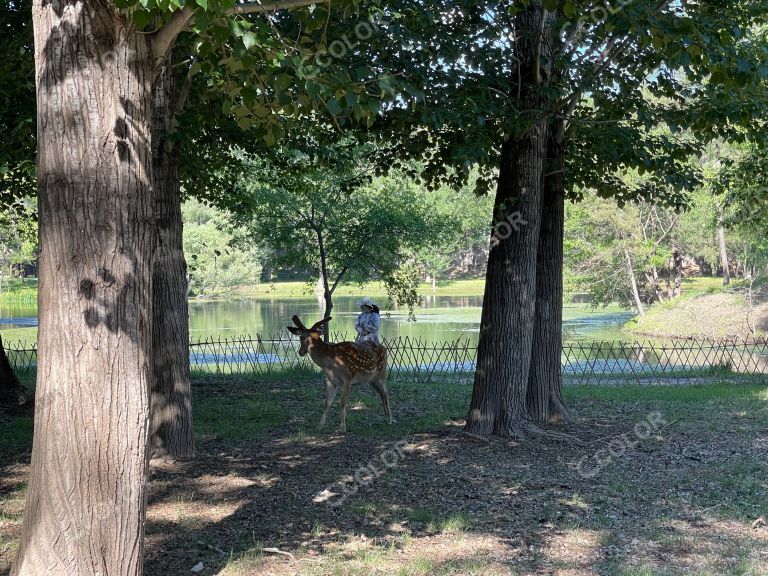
416	360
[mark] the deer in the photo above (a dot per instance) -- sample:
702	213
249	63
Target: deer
344	364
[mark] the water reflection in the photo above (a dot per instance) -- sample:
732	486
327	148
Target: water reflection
440	318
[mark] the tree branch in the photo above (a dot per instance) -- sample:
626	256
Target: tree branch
253	7
163	39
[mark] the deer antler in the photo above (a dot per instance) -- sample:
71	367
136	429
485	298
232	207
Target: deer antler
319	323
298	322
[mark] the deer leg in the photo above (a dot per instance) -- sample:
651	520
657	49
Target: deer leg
381	387
344	399
330	394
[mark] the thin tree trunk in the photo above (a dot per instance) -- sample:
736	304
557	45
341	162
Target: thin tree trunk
677	269
86	501
652	278
545	395
633	284
327	293
724	256
171	432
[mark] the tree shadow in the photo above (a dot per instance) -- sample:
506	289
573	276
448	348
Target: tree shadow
685	496
524	504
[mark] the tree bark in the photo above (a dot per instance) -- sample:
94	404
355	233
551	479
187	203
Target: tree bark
86	501
545	394
12	393
323	283
633	284
724	256
677	271
654	280
499	397
171	432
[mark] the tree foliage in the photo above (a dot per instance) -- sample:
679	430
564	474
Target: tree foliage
320	209
17	102
217	260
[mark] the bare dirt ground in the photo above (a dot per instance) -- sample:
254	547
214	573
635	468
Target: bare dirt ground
665	481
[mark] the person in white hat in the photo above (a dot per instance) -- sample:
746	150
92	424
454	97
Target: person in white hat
368	321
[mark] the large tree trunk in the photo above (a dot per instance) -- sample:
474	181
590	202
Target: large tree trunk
12	393
86	501
171	432
499	396
545	394
724	256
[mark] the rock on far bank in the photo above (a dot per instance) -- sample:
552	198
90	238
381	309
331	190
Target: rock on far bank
721	315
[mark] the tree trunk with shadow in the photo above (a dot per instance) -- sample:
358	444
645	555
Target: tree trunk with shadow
171	432
499	397
545	393
86	499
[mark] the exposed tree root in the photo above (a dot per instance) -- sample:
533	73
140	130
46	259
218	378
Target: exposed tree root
558	411
529	428
474	436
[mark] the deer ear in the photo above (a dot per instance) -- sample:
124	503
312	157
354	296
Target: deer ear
293	330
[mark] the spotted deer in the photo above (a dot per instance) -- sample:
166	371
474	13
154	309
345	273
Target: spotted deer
344	364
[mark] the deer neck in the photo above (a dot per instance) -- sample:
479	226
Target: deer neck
320	352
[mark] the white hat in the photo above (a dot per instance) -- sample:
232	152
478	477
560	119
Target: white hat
365	302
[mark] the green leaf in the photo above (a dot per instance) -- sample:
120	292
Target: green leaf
334	107
203	4
250	40
142	18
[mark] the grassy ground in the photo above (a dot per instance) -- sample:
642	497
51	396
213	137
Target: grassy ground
670	480
708	310
19	292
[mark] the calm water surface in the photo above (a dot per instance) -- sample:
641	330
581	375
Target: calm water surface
440	318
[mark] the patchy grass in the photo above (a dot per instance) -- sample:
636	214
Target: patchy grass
683	498
19	292
707	312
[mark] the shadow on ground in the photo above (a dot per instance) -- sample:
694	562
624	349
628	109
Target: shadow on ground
683	499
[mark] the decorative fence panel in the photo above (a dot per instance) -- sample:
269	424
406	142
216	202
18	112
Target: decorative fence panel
416	360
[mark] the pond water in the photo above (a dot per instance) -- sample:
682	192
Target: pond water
440	318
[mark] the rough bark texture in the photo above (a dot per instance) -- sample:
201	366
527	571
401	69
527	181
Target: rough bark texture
86	501
545	394
12	393
171	432
498	403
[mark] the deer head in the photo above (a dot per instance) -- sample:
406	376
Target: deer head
306	335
